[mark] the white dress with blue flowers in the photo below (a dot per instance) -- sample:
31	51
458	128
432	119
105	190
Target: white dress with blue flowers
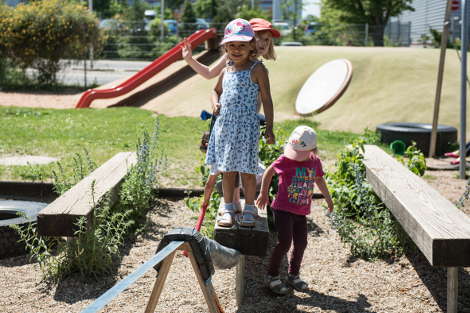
234	141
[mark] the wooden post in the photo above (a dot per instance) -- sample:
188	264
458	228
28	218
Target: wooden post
158	287
206	286
452	289
440	75
240	280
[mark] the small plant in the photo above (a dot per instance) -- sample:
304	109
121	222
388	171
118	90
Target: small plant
91	251
360	218
414	160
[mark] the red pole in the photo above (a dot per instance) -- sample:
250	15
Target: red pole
199	222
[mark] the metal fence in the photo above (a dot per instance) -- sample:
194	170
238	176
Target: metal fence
137	41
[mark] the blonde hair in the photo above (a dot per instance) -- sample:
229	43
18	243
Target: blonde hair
270	54
253	52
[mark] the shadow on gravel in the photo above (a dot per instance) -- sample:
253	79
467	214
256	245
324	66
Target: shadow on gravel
93	289
313	229
435	280
291	303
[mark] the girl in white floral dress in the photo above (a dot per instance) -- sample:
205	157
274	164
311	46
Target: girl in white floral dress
233	145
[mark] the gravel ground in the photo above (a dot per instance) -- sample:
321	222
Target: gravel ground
338	282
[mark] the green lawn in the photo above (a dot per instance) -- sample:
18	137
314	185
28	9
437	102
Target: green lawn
62	133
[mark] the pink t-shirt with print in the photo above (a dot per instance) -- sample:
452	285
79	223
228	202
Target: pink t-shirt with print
296	182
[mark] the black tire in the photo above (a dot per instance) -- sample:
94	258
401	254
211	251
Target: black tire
9	245
421	134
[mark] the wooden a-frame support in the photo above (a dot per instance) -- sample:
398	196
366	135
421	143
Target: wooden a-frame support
206	286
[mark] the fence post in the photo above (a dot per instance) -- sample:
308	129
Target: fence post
367	35
84	53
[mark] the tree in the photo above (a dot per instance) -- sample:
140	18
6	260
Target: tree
206	8
247	13
375	12
290	12
188	13
223	15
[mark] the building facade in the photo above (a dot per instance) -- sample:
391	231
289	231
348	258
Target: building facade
430	14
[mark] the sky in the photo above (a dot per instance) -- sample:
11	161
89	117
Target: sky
311	7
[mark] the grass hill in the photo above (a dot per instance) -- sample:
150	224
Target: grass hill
388	85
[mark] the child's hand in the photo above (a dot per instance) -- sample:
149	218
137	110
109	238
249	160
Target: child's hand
330	204
186	49
216	109
269	135
262	201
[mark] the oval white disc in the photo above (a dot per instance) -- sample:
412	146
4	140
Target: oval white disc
324	87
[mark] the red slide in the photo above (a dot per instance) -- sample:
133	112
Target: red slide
173	55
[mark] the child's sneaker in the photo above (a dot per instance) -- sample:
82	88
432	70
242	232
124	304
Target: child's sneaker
296	282
275	284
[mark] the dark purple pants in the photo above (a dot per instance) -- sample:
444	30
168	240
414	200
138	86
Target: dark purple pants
289	227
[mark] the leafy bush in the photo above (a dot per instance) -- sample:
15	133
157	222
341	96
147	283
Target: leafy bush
42	33
91	252
414	160
360	217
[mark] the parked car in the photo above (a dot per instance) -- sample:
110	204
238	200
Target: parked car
282	26
292	43
172	24
202	24
112	24
311	28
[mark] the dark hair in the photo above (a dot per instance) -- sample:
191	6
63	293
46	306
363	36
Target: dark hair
204	140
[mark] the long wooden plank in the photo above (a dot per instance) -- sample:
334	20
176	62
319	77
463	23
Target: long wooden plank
247	240
58	218
439	229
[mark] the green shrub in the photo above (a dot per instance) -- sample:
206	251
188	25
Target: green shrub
91	252
42	33
360	217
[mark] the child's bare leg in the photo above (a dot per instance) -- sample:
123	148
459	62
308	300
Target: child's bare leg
249	211
208	188
228	184
236	190
249	181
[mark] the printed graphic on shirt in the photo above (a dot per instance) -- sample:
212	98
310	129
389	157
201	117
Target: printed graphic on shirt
301	187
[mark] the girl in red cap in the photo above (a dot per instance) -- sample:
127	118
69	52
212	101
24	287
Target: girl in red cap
264	33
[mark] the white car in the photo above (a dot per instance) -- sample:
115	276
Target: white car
282	26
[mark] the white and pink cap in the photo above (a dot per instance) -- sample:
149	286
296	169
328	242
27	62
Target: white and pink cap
238	30
302	140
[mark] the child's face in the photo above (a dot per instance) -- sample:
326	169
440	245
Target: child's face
238	50
263	40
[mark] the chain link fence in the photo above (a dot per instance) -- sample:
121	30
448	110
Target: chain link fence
142	41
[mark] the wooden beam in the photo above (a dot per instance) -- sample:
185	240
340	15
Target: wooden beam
247	240
59	217
438	228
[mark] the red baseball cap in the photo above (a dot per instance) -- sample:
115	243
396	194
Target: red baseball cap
258	24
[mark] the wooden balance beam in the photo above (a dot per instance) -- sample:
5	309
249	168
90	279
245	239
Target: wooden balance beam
59	217
247	240
438	228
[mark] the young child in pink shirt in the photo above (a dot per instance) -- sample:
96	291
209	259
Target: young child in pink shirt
298	169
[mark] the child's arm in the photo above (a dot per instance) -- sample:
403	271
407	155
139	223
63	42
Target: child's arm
208	188
215	94
201	69
260	77
263	198
320	181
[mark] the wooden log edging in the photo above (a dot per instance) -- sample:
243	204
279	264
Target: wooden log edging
29	190
437	227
